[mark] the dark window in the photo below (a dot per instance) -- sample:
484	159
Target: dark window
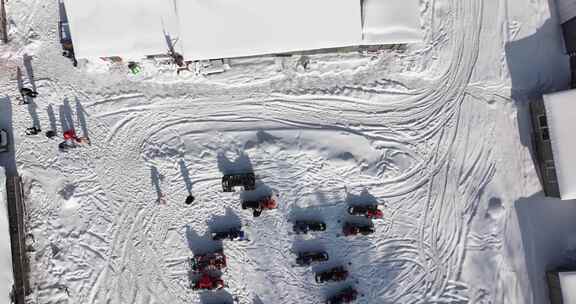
545	134
542	121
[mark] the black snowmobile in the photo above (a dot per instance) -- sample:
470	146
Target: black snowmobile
332	275
246	180
354	229
303	227
307	258
232	234
210	261
347	295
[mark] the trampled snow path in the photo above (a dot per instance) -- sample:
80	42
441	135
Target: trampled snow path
405	129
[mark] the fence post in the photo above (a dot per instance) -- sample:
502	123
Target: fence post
3	23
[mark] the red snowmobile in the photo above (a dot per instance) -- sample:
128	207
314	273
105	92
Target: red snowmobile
208	282
266	203
354	229
369	211
345	296
332	275
209	261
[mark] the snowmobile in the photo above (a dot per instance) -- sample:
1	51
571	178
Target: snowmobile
246	180
354	229
303	227
232	234
332	275
306	258
370	211
345	296
209	261
208	282
266	203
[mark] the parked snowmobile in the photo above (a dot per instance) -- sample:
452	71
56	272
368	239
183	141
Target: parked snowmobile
369	211
209	261
332	275
266	203
307	258
354	229
303	227
246	180
345	296
208	282
232	234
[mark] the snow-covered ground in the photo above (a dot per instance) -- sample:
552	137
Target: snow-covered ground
436	133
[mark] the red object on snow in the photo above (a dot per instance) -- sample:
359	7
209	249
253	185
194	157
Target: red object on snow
208	282
70	134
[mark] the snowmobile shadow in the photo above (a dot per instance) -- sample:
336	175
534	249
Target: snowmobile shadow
362	199
241	164
52	118
81	116
262	190
66	120
201	244
216	297
185	175
27	60
224	222
301	245
305	214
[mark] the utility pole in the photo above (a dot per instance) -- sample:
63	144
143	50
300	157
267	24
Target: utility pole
3	23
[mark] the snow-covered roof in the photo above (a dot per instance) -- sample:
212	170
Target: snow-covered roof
566	9
224	28
568	285
391	21
6	274
125	28
561	115
236	28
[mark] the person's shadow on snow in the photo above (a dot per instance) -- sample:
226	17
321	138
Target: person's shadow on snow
185	175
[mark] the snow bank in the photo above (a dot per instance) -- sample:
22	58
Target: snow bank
561	113
391	21
568	283
127	28
6	274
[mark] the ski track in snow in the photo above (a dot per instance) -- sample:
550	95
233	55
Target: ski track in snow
103	230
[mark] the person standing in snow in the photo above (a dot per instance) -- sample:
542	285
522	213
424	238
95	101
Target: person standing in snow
33	131
28	92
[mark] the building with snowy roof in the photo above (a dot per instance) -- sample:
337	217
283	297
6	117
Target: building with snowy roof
133	29
562	286
554	119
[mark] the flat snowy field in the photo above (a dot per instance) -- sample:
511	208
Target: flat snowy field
436	133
